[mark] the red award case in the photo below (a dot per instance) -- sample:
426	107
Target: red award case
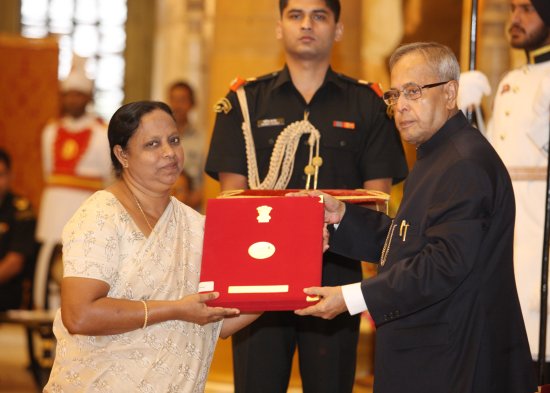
260	253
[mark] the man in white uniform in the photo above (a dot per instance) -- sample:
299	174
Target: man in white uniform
519	130
76	162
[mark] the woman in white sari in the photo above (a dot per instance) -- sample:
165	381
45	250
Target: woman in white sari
130	317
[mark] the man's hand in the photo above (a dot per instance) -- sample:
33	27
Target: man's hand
334	209
331	304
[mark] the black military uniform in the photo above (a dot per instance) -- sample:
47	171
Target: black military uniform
17	223
358	143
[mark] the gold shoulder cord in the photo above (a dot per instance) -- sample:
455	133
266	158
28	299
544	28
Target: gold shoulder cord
284	152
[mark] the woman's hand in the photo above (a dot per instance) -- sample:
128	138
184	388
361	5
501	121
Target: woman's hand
193	308
197	311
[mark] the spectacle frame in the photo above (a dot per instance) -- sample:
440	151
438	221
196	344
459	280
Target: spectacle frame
411	91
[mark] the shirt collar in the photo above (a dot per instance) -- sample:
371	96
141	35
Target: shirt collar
539	55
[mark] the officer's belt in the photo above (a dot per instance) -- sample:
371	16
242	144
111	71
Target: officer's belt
72	181
527	173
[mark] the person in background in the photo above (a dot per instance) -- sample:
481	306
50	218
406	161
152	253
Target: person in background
518	130
181	98
75	163
131	319
334	133
182	187
17	244
444	300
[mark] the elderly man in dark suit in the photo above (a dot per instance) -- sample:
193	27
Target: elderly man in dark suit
444	300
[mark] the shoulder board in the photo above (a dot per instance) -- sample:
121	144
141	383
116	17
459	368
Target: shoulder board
271	75
375	86
353	80
236	83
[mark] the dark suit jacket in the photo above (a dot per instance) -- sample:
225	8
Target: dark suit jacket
445	302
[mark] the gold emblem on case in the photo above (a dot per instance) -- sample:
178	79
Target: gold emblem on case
263	213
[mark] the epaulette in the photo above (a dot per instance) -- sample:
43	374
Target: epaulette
375	86
236	83
223	105
271	75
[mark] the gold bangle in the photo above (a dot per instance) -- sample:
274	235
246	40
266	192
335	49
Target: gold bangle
145	320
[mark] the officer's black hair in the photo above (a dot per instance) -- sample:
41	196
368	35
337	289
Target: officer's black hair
5	158
125	122
334	6
183	85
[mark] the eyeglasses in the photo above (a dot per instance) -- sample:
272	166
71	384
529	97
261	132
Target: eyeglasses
411	91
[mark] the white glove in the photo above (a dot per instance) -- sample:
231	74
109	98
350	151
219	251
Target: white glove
473	85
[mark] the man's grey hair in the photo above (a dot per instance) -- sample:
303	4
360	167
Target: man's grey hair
439	57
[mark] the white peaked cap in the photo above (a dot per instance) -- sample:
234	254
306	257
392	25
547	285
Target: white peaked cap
77	79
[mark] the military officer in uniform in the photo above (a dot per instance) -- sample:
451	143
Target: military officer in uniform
519	130
17	245
304	126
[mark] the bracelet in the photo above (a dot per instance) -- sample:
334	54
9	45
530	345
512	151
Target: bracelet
145	308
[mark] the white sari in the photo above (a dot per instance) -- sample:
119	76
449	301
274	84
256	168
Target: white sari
101	241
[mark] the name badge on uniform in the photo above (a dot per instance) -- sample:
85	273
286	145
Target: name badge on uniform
270	122
348	125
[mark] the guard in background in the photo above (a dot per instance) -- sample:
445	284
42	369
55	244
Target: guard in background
17	245
76	163
518	130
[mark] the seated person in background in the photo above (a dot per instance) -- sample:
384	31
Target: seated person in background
131	318
183	187
17	245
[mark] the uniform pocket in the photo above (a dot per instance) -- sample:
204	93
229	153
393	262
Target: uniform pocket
344	140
